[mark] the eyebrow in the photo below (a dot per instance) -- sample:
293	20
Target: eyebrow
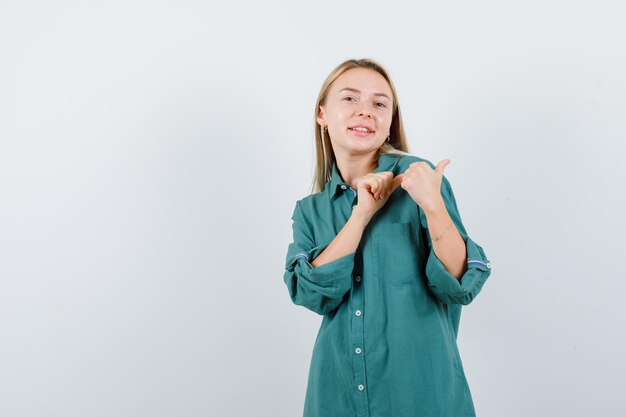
357	91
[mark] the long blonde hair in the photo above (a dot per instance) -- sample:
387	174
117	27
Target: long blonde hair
325	155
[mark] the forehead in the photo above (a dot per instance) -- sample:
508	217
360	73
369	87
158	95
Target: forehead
365	80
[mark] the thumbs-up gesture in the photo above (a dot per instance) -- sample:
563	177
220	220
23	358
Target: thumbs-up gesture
424	184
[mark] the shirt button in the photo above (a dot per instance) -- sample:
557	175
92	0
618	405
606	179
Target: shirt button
358	313
343	187
361	387
358	351
358	278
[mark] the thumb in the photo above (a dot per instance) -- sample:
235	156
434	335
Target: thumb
397	180
441	166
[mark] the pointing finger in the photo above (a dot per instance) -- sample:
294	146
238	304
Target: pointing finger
395	183
397	180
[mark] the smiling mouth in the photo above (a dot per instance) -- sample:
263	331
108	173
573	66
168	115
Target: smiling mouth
360	130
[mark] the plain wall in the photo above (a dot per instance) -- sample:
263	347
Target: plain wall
151	154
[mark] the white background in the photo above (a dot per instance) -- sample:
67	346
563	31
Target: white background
151	154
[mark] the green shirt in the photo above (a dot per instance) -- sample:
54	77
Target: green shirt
386	346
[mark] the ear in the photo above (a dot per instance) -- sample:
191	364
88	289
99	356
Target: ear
321	116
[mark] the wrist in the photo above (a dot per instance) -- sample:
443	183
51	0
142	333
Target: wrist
436	208
360	216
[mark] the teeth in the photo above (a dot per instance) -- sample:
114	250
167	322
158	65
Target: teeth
361	129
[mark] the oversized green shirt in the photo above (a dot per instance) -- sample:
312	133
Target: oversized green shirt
386	346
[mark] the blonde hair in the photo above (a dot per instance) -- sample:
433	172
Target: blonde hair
325	155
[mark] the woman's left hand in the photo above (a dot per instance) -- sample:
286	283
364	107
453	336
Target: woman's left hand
424	184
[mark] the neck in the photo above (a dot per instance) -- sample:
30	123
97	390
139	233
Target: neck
353	167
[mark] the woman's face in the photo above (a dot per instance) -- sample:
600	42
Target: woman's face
359	99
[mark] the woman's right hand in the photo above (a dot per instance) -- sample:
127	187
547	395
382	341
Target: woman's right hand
374	190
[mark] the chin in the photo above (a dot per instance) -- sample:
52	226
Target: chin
360	145
366	144
365	147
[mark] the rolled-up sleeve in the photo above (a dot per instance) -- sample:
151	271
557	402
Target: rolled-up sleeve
320	289
445	286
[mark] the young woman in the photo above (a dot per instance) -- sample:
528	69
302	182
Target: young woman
380	251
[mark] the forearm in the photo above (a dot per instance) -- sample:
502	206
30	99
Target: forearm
446	241
346	241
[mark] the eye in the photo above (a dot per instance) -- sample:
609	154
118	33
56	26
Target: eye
347	98
381	104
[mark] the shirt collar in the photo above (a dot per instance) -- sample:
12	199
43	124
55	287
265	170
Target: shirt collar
386	162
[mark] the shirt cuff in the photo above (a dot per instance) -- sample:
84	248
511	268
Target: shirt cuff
452	290
332	279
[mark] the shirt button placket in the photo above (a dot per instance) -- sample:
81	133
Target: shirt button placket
362	406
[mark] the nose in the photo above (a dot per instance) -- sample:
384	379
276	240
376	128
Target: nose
364	111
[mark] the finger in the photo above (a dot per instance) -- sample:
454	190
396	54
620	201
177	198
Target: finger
364	184
370	187
382	185
441	166
372	184
386	184
394	183
379	187
397	181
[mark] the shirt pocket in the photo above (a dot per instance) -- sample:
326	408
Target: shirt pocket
396	254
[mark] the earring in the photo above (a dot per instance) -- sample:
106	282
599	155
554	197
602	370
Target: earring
325	129
387	140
